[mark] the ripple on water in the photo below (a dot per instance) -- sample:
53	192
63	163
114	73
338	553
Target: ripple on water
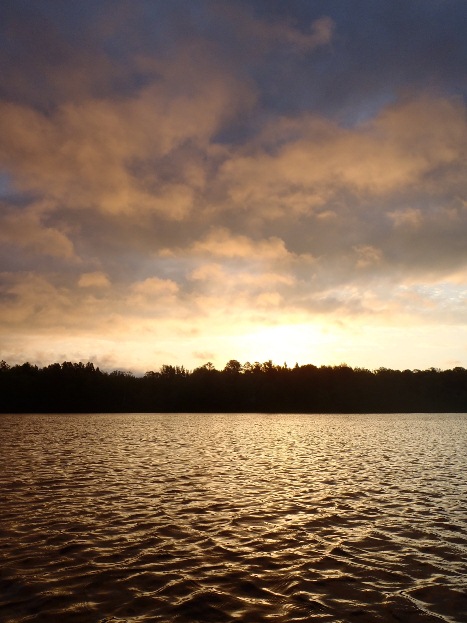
196	518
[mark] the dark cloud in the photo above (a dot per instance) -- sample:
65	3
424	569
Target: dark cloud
53	51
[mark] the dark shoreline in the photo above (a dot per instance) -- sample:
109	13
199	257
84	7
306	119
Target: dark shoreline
83	388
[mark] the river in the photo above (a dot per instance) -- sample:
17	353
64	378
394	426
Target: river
204	518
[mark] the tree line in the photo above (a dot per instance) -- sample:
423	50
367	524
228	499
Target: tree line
259	387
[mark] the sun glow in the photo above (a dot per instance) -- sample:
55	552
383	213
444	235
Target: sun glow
290	343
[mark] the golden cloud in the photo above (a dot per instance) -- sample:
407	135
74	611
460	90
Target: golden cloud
140	154
222	243
95	279
297	166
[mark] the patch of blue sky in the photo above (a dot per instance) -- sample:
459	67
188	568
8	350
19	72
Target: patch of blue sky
443	292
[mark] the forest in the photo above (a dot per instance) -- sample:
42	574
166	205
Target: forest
260	387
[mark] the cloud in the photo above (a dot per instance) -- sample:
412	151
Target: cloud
34	303
131	155
367	255
30	300
178	173
267	33
26	230
226	279
388	184
151	299
221	243
154	287
406	217
320	33
299	165
93	280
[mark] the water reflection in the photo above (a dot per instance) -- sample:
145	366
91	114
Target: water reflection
233	518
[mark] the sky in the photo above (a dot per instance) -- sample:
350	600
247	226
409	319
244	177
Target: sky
206	180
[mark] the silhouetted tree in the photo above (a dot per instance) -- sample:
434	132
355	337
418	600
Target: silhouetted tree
74	387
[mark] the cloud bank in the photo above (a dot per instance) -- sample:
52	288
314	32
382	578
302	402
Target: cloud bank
241	180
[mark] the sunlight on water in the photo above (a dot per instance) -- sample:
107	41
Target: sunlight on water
177	518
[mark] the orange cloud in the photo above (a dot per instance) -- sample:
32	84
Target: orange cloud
295	167
24	229
153	286
221	243
94	280
135	155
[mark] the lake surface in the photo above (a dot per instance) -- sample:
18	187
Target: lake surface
217	518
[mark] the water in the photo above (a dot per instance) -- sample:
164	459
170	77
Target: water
218	518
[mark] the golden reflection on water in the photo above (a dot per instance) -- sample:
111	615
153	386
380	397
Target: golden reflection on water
221	517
